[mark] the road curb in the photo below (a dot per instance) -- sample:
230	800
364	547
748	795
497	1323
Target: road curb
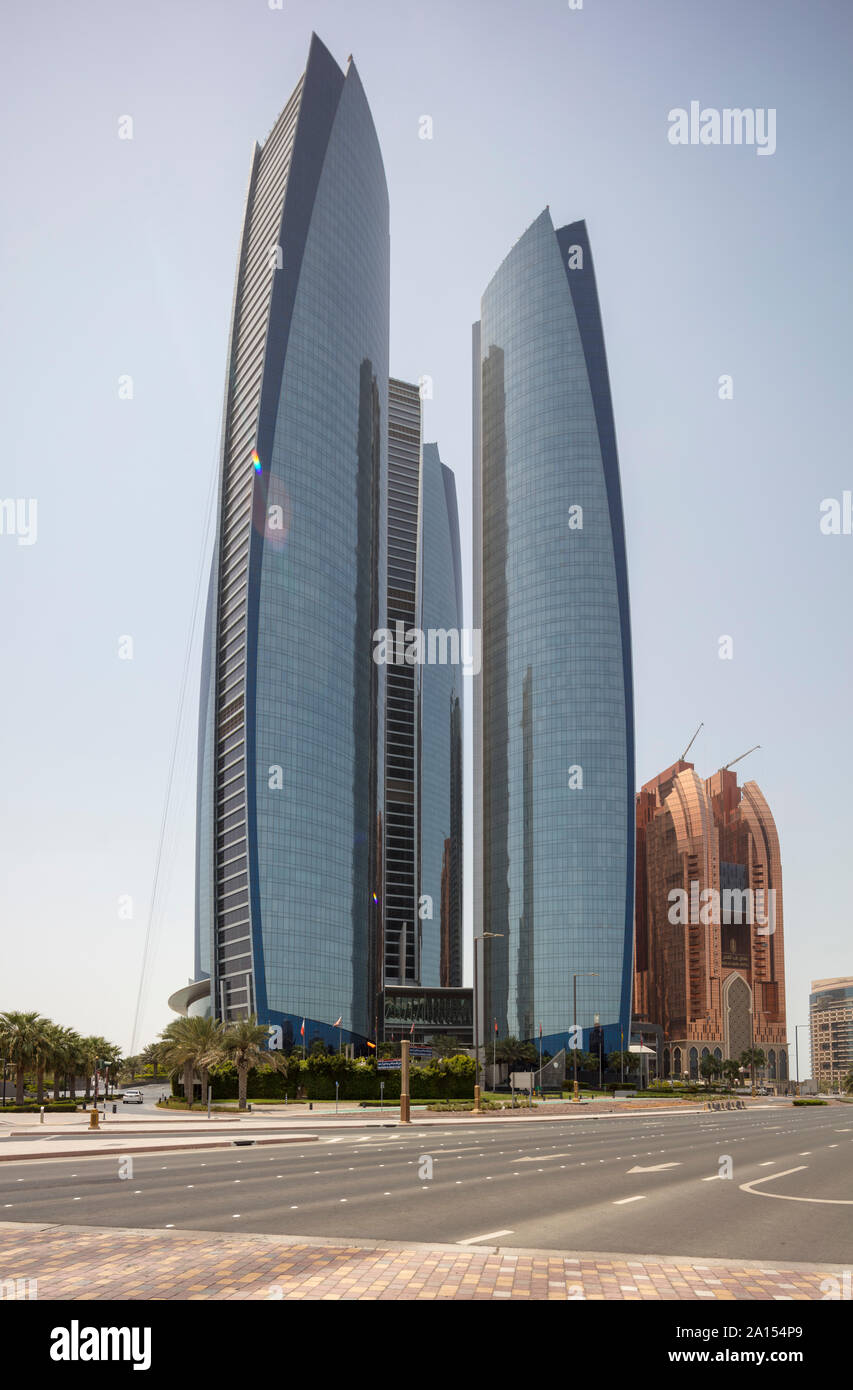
90	1151
508	1252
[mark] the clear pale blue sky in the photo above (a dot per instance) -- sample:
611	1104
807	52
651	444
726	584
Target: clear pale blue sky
119	257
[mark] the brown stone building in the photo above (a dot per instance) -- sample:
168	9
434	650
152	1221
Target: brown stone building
709	965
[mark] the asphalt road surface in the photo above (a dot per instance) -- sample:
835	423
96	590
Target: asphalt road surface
640	1184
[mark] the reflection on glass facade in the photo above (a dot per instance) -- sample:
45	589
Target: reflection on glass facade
554	756
447	1011
440	606
290	786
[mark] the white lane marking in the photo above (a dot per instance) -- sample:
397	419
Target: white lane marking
782	1197
655	1168
804	1154
713	1178
544	1159
768	1163
489	1235
624	1200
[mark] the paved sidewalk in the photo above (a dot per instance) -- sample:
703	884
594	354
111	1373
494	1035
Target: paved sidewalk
83	1263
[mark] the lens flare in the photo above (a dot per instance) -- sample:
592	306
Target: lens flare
256	461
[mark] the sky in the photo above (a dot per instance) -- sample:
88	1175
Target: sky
118	261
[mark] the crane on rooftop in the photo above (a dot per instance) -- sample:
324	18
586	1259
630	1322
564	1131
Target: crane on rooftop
737	760
691	743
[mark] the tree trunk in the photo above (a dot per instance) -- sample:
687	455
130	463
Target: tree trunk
188	1084
204	1085
243	1086
40	1084
57	1083
71	1081
19	1084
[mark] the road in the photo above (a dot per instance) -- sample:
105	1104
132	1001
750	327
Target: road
640	1184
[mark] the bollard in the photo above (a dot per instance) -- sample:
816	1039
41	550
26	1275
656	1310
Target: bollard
114	1110
93	1118
41	1116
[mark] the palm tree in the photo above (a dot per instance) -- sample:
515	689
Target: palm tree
75	1062
97	1049
190	1045
709	1067
752	1057
150	1056
244	1043
616	1060
447	1047
130	1066
731	1070
42	1055
23	1037
512	1051
61	1044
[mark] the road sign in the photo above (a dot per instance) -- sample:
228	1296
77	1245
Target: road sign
389	1064
421	1052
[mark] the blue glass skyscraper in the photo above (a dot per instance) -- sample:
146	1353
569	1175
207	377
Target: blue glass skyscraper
553	716
290	784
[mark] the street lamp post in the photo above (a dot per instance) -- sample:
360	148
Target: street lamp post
487	935
576	1095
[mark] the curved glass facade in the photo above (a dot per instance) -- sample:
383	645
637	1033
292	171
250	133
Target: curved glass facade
554	756
299	578
440	605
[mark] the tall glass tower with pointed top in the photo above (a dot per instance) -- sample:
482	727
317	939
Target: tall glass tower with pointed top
290	785
553	709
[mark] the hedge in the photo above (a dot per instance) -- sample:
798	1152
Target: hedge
31	1109
451	1079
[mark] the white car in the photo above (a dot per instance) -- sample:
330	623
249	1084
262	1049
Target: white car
132	1098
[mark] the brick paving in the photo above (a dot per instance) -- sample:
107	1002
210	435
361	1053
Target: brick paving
89	1263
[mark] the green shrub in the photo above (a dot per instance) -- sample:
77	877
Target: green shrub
448	1079
30	1108
809	1100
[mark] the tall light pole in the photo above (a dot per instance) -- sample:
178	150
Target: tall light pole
581	973
490	936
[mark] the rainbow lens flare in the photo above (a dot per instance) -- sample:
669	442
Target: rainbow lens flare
256	461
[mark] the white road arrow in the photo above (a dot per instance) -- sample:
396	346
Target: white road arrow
657	1168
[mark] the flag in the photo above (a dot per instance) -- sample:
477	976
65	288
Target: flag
411	1030
373	1045
496	1025
302	1029
338	1021
540	1030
